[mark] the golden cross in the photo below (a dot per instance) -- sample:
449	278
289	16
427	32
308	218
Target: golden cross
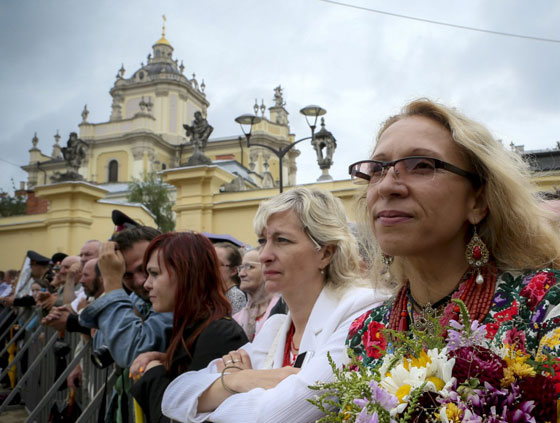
163	26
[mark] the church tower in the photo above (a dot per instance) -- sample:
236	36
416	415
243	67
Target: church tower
145	128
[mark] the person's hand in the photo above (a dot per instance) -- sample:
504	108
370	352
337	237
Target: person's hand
241	381
46	300
112	266
8	301
238	358
153	363
74	273
57	318
74	379
141	363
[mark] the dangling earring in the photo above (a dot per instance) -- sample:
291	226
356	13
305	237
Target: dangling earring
386	259
477	254
322	271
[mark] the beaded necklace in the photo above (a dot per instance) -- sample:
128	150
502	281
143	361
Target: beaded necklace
477	298
289	356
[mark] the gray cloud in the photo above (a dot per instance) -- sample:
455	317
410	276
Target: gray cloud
360	66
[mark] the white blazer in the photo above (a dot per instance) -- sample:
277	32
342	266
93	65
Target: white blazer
326	331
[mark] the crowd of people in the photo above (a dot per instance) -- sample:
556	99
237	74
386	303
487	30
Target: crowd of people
215	332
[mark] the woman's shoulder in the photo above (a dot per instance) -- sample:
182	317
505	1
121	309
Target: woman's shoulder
224	326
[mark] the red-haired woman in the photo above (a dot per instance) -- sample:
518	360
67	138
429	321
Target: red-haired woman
183	277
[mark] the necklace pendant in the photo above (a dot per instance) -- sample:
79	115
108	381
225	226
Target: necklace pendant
427	320
479	279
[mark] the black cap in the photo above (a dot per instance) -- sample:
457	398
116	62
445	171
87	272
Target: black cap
122	221
37	258
58	257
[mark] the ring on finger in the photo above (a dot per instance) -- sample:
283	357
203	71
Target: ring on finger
236	361
230	361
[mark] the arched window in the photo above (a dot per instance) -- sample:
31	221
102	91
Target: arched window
163	166
113	171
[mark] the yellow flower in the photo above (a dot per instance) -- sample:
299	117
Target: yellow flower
347	413
403	391
516	366
453	413
438	383
422	361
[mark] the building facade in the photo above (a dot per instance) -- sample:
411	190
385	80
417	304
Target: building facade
145	133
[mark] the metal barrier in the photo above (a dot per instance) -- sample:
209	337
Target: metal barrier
48	399
37	385
5	315
18	334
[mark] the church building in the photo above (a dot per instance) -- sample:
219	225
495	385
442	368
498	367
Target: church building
152	112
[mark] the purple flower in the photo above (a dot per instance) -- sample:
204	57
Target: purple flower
500	405
458	338
361	402
382	397
364	417
454	335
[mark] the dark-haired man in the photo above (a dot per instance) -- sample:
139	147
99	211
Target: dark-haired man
126	321
40	272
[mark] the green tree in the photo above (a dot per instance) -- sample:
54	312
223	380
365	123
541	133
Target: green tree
13	205
154	194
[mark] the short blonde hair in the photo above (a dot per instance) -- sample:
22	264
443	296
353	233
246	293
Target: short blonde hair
323	217
518	231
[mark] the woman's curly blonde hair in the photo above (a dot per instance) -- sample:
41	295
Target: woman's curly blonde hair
519	232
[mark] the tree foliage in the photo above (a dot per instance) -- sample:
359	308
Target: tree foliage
154	194
12	205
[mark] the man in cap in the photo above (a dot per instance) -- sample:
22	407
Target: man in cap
126	321
39	273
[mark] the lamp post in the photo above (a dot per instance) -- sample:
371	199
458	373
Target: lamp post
310	112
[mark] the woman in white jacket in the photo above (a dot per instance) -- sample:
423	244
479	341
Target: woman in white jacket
310	257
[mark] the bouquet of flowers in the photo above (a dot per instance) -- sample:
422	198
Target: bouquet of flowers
455	378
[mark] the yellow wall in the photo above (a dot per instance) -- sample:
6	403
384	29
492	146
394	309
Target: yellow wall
77	212
102	168
75	215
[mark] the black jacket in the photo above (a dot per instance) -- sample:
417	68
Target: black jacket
217	339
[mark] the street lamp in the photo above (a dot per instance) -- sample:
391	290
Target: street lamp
311	113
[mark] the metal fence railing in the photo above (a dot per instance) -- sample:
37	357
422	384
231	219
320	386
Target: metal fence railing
40	388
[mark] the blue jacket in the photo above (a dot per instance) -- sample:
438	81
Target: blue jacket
127	326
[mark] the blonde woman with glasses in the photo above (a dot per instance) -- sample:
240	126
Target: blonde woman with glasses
310	257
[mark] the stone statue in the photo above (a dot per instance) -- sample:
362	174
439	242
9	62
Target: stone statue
199	131
278	97
74	153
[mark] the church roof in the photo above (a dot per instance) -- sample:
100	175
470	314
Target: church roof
163	40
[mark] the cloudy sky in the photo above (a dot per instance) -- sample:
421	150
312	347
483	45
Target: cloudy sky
361	66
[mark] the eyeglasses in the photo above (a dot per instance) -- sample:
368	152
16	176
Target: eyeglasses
414	168
248	266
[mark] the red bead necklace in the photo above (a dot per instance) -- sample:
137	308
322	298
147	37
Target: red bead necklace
477	298
289	357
